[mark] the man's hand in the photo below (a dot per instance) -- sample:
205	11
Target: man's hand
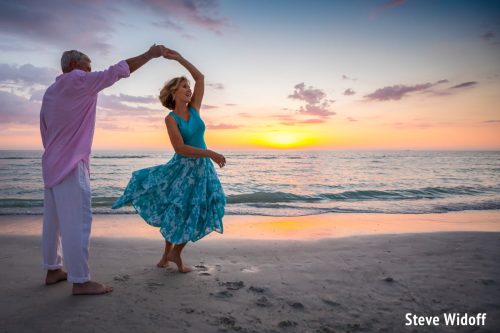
156	51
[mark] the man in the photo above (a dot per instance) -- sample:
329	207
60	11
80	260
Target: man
67	121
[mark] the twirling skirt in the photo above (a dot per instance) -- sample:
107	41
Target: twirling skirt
184	198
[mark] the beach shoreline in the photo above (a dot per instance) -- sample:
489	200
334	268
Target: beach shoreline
331	280
308	227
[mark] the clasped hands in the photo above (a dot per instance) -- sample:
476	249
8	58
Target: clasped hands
156	51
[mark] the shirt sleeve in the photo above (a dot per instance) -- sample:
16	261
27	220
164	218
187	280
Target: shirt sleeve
97	81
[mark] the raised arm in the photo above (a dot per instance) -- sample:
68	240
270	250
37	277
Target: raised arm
199	79
137	62
189	151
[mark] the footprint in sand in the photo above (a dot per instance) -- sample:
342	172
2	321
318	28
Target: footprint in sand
297	305
228	322
122	278
287	323
257	289
330	302
249	269
263	302
236	285
222	294
201	268
187	310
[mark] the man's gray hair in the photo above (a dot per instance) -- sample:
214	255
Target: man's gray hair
69	56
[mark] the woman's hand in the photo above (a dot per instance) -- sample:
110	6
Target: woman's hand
156	51
171	54
218	158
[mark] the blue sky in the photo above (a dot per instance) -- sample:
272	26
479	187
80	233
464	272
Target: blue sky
368	68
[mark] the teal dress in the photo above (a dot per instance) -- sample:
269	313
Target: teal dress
183	197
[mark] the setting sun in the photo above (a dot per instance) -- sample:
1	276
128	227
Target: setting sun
284	140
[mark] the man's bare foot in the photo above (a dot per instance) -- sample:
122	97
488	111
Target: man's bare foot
55	275
176	258
163	261
91	288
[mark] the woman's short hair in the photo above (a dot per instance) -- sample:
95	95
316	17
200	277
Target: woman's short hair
168	91
68	56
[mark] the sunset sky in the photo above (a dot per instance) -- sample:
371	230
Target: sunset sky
279	74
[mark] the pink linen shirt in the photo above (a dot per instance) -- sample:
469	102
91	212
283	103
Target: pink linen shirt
67	119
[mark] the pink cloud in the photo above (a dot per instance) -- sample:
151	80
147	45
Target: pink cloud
221	126
386	6
464	85
309	95
316	110
349	92
396	92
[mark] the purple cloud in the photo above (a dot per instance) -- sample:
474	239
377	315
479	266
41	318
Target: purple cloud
139	99
58	22
395	92
388	5
115	105
492	121
351	119
18	110
316	110
464	85
309	95
349	92
27	74
213	85
488	35
317	103
196	12
398	91
345	77
207	107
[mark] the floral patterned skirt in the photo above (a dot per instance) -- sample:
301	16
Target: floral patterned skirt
184	198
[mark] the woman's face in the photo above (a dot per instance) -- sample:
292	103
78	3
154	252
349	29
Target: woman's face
183	93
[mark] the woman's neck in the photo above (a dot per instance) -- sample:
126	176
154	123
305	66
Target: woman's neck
182	108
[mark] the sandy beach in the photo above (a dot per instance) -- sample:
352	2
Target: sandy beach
324	273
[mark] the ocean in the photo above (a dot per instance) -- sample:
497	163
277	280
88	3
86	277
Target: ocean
290	183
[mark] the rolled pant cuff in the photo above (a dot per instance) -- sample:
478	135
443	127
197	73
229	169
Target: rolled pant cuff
73	279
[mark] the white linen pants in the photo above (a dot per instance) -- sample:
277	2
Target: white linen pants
67	217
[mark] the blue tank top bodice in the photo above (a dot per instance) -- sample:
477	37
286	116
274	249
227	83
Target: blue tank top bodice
193	130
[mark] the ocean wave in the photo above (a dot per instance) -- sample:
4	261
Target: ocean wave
362	195
20	158
284	197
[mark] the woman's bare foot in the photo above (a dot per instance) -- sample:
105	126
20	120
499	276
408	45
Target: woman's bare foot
91	288
163	261
55	275
176	258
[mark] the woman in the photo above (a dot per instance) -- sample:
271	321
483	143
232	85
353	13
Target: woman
184	197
